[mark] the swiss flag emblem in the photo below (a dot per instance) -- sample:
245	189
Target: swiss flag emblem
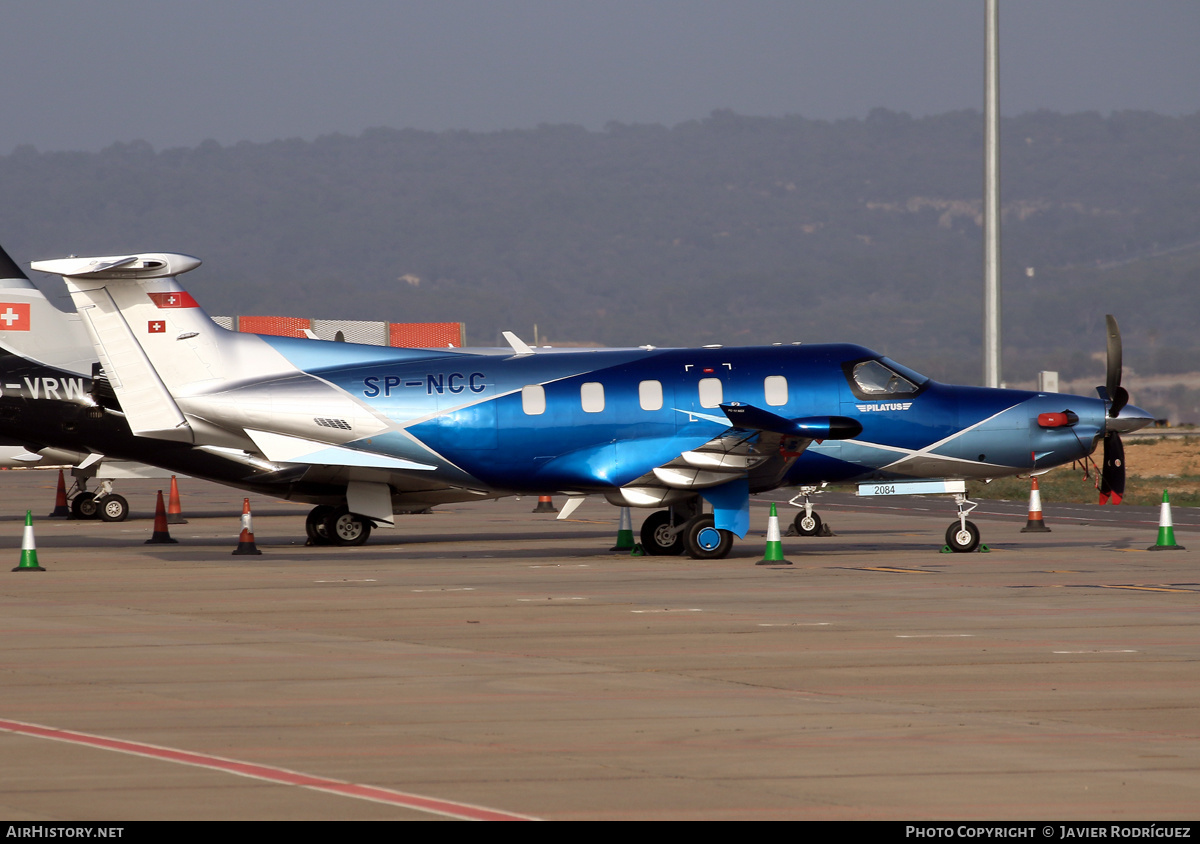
177	299
14	317
157	326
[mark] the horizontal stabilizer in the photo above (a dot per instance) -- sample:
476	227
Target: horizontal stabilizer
149	265
751	418
284	449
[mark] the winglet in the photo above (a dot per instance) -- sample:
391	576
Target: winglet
518	345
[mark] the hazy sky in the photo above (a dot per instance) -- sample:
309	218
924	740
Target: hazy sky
82	75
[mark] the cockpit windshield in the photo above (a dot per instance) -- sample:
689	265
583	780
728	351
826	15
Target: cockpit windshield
883	378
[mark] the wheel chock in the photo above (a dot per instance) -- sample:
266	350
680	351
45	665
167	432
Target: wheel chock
982	549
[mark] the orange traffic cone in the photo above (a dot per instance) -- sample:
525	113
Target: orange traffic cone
545	505
174	510
246	540
1035	523
61	510
161	535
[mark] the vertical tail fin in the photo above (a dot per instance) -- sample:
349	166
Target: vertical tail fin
33	328
154	340
148	405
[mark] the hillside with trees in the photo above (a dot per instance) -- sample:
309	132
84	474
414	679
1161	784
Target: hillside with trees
730	229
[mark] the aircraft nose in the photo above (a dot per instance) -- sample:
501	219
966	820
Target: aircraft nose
1130	419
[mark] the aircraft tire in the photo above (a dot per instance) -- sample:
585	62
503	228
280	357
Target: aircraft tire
656	538
807	525
84	506
314	525
962	541
113	508
705	541
345	528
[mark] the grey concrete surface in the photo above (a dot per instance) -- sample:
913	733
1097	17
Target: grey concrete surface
488	655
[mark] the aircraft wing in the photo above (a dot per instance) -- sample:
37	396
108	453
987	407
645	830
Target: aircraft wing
752	455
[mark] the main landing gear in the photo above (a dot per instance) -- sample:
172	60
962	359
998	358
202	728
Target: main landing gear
682	528
328	525
105	504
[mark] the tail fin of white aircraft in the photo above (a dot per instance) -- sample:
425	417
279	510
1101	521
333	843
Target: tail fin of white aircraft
33	328
154	340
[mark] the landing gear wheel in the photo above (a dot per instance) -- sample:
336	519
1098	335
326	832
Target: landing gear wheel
113	508
656	535
84	506
706	542
345	528
960	540
807	525
314	525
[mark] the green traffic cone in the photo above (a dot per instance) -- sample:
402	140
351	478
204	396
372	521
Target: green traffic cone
29	560
624	532
1166	529
773	556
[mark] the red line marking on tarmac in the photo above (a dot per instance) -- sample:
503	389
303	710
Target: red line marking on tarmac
449	808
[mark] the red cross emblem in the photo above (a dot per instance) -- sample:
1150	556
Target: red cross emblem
14	317
176	299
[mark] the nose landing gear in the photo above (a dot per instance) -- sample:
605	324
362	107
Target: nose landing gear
963	537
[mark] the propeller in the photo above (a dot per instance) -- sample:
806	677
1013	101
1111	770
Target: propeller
1116	393
1112	473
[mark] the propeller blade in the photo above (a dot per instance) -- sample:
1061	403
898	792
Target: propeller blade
1113	375
1112	475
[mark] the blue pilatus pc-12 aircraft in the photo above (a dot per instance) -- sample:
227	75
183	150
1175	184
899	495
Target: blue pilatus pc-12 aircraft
364	432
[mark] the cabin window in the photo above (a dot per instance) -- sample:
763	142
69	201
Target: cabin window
650	395
711	392
776	389
533	399
591	395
